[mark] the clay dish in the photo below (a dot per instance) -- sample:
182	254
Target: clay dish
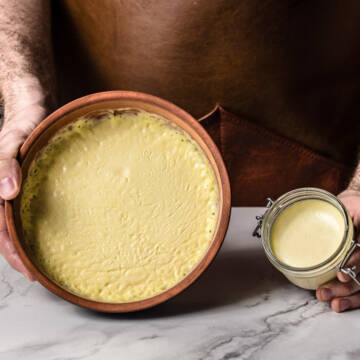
115	100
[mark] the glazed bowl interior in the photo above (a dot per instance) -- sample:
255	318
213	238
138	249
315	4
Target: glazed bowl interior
118	100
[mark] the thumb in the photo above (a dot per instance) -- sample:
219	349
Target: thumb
10	173
10	178
12	135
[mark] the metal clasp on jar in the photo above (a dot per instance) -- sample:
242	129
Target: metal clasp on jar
350	271
260	218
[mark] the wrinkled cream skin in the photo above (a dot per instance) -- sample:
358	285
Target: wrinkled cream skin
120	209
307	233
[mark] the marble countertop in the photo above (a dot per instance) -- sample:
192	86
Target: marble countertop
241	308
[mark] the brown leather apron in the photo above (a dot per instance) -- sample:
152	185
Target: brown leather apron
262	164
286	72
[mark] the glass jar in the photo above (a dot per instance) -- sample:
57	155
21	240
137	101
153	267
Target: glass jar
308	277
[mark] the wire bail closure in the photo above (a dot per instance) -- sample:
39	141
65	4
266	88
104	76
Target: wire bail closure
350	271
260	218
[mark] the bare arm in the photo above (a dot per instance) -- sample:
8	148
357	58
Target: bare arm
355	181
27	89
25	56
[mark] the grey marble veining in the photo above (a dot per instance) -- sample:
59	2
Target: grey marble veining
241	308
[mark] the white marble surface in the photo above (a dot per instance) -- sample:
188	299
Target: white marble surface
241	308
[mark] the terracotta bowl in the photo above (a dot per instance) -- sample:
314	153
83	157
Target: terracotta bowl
113	100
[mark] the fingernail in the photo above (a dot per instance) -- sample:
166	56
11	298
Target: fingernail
344	304
326	294
343	278
26	272
7	187
29	277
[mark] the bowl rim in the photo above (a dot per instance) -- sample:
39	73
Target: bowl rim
224	206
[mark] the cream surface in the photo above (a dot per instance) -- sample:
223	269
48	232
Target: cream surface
120	209
307	233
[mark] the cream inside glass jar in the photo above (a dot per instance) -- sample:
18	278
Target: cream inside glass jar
307	234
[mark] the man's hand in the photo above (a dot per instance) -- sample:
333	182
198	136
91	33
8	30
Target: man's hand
343	293
22	119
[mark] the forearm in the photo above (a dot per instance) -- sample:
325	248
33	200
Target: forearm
355	180
26	66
